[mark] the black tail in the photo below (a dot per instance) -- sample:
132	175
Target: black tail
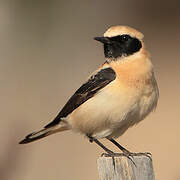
44	132
35	136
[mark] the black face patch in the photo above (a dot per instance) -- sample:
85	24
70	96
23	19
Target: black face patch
123	45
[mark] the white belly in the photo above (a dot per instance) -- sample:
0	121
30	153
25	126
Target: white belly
111	113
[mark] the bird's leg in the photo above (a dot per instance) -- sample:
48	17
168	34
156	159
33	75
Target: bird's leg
126	152
108	151
91	139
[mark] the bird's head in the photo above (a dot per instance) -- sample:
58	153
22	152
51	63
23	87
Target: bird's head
121	41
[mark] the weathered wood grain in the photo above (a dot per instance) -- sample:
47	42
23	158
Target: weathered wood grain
124	169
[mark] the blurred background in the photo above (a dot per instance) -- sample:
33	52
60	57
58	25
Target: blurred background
47	50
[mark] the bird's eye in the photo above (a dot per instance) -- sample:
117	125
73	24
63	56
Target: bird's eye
121	38
125	37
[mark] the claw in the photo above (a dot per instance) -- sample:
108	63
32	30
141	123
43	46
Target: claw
130	157
112	155
103	155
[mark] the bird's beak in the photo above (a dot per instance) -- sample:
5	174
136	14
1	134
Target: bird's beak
104	40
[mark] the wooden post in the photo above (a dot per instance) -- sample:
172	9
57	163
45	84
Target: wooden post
123	168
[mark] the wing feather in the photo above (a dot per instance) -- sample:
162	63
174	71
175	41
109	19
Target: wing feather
86	91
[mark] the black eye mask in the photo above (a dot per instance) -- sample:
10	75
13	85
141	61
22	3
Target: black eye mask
123	45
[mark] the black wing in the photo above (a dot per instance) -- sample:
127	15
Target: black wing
86	91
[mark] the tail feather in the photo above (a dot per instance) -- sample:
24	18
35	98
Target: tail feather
43	133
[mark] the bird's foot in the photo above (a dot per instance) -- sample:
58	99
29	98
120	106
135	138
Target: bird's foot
112	155
126	154
147	154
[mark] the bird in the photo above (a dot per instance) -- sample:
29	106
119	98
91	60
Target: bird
118	95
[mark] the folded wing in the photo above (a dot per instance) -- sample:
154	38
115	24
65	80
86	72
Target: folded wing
86	91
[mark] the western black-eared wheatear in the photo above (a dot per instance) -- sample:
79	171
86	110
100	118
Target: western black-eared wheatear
119	94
